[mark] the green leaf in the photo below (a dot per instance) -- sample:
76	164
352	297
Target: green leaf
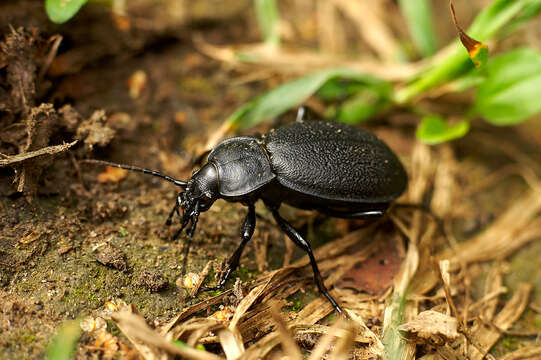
479	55
289	95
60	11
510	93
418	15
361	107
63	344
268	19
435	130
496	17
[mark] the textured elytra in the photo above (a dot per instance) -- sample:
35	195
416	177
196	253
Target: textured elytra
242	166
335	161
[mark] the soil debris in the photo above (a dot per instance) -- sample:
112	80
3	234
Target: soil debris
94	131
111	256
152	280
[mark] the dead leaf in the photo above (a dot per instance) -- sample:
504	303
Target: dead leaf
374	275
112	174
430	327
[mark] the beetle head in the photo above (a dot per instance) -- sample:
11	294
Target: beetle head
202	189
200	193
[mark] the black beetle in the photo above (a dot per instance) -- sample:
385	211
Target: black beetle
334	168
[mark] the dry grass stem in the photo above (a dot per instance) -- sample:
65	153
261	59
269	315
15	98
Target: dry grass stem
231	344
514	228
289	347
298	62
530	352
136	329
326	340
344	344
369	17
32	155
331	34
202	277
487	336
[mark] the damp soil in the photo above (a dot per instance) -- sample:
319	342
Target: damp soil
142	96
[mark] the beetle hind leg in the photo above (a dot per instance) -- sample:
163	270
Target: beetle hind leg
294	235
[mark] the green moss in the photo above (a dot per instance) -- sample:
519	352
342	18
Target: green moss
297	306
511	343
27	338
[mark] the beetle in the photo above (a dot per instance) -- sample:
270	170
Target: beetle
331	167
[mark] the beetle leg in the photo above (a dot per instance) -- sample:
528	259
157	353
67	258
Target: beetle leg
294	235
246	233
195	219
170	217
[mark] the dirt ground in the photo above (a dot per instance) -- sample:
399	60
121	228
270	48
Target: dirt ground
74	237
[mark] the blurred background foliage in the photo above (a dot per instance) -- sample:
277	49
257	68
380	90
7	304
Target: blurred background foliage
362	59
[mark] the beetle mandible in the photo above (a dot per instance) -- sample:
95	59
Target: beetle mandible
334	168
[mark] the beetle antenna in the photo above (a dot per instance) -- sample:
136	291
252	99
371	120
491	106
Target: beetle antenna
180	183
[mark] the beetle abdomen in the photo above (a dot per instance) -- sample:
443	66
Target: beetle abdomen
242	166
335	161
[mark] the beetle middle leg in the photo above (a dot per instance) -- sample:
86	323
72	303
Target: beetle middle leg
246	233
294	235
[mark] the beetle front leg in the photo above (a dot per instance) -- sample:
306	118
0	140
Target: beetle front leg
294	235
246	233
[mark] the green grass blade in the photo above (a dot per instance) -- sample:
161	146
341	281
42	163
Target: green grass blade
418	15
394	344
435	130
290	95
268	19
60	11
63	344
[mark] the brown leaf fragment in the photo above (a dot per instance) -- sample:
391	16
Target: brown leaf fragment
222	315
64	249
474	47
112	174
430	327
488	335
376	274
107	343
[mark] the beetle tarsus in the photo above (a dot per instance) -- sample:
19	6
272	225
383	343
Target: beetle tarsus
294	235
